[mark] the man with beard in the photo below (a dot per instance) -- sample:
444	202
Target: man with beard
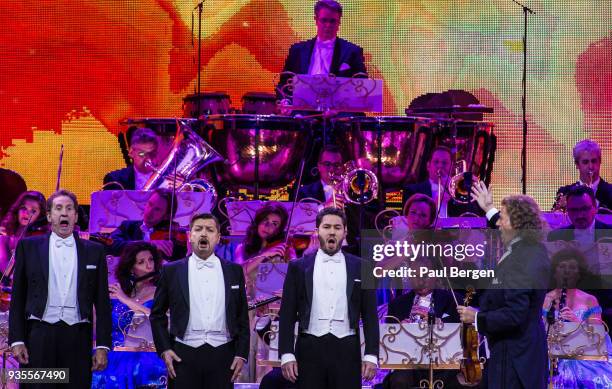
323	293
59	279
511	306
208	339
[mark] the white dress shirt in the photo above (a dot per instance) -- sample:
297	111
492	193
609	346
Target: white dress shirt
329	310
62	287
140	179
322	54
207	321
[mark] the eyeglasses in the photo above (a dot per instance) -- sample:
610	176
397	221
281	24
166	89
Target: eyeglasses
145	154
331	21
327	165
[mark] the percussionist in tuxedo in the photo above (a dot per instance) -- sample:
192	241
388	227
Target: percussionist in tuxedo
323	293
58	280
207	343
326	53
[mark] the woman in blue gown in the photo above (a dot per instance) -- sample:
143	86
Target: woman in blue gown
136	272
568	270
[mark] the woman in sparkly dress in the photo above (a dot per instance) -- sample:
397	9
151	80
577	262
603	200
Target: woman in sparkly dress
132	298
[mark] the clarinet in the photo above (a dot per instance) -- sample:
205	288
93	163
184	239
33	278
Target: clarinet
563	300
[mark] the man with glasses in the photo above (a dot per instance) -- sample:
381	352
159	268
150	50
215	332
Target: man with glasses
326	53
581	209
143	151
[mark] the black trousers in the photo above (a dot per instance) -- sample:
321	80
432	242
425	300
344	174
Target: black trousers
328	362
203	367
60	345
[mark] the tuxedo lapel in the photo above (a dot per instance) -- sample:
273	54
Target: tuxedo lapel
81	262
352	274
337	56
183	278
44	257
307	56
309	263
226	281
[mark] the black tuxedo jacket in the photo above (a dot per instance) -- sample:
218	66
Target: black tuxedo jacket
173	293
603	194
313	190
602	230
443	302
454	208
31	280
129	231
510	317
126	177
297	302
345	53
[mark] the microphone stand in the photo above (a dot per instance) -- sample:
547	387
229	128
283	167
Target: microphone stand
431	347
199	7
526	11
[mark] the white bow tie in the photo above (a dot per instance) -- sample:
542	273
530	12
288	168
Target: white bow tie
335	259
68	242
326	45
200	264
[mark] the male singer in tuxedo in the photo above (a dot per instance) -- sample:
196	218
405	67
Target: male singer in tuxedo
511	306
208	340
323	293
326	53
58	281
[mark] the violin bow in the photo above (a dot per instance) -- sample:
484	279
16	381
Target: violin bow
59	169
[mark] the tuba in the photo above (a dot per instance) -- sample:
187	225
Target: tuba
460	185
189	154
356	185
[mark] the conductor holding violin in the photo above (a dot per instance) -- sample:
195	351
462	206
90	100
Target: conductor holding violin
155	228
511	306
58	280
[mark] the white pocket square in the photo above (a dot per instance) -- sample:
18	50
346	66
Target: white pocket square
344	67
445	315
91	267
235	287
357	280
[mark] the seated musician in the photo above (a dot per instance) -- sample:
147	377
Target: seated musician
569	271
587	158
143	151
27	216
414	307
581	209
133	294
329	164
265	240
153	228
440	165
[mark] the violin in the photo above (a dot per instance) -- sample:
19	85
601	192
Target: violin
470	363
176	234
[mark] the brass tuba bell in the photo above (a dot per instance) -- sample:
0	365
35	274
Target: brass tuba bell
356	185
189	154
460	185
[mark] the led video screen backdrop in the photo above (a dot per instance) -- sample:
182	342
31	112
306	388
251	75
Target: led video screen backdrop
71	70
